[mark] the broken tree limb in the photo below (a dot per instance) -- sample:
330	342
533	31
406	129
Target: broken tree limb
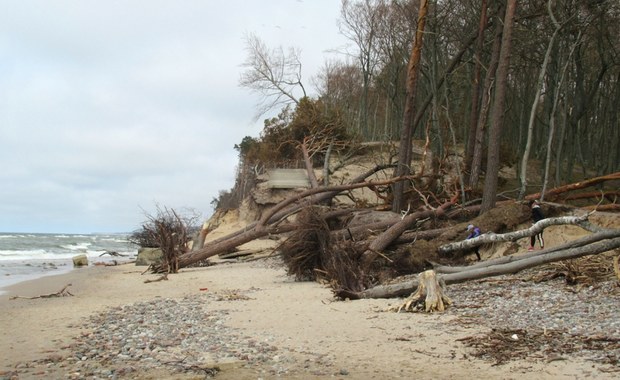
61	293
553	193
112	253
405	288
163	277
386	238
513	236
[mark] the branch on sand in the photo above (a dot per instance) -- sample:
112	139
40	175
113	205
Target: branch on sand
164	277
61	293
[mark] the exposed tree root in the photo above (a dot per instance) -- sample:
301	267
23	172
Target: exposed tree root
429	296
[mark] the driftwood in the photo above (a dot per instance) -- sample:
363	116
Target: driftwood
61	293
163	277
237	254
112	253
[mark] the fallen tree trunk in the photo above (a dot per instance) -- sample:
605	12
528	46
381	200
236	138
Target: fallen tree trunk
405	288
318	198
512	236
554	193
607	234
386	238
261	227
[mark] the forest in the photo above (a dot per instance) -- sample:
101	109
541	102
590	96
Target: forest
510	81
459	90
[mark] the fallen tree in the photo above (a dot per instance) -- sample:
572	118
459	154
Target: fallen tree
596	243
513	236
556	192
272	216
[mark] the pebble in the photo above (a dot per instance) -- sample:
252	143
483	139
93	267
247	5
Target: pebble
181	333
578	313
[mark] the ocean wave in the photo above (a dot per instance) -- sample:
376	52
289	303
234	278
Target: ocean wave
76	246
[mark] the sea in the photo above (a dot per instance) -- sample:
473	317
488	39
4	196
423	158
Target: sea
27	256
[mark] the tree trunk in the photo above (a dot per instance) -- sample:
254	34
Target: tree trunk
385	239
404	154
593	238
314	183
497	119
428	296
476	164
551	194
537	228
476	89
405	288
539	86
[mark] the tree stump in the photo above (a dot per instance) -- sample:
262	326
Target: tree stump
429	295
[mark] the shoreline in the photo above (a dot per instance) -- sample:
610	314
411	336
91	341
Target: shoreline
19	271
17	279
251	320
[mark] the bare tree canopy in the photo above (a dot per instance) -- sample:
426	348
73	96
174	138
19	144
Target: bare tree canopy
272	73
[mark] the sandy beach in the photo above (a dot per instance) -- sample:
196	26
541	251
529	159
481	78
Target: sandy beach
262	325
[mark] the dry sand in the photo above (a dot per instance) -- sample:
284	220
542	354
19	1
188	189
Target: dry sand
324	339
316	336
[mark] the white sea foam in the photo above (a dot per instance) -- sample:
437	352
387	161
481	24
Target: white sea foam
25	256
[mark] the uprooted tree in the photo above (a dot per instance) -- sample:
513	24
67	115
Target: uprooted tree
169	231
352	257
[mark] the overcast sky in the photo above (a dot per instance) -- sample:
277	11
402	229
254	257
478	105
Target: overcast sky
110	108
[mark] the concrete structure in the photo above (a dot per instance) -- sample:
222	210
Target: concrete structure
287	178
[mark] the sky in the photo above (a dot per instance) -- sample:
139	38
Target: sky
110	109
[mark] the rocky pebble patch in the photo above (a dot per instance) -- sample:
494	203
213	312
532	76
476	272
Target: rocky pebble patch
546	320
182	335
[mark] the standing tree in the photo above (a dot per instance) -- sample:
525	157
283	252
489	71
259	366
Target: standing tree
272	73
360	22
406	136
477	149
537	94
497	115
476	88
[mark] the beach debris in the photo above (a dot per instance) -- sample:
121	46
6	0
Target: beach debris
231	295
61	293
112	263
112	253
164	277
500	346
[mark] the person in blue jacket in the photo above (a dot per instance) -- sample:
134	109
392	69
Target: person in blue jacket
474	232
